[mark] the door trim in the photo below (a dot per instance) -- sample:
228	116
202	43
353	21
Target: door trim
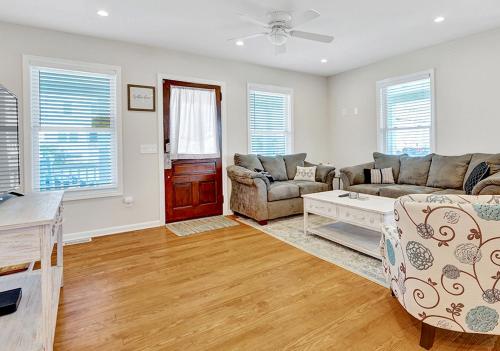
224	155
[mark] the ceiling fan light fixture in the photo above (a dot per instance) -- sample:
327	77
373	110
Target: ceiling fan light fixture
323	60
240	43
278	36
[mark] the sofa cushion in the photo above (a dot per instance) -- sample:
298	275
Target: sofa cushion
449	192
370	189
395	191
250	161
448	172
306	187
282	191
275	165
477	159
291	163
414	170
388	161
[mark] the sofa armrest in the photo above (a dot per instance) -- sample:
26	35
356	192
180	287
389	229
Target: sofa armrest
324	173
488	186
245	176
354	175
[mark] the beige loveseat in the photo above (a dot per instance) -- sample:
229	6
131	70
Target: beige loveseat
254	196
431	174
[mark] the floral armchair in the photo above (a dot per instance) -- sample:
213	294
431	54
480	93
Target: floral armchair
442	262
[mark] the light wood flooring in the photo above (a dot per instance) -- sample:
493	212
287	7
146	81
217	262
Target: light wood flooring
230	289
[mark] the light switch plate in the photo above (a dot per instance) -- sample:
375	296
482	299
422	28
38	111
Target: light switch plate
149	149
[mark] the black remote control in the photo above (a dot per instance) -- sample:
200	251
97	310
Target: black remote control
344	195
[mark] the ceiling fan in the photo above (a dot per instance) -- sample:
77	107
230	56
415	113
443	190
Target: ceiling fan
281	26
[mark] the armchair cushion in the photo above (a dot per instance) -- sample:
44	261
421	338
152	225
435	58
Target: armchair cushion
448	172
414	170
291	163
275	165
250	161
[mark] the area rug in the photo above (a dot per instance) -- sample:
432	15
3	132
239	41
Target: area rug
194	226
290	230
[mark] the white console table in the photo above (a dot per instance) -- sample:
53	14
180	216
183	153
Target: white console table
30	226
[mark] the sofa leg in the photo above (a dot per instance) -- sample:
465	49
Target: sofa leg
427	335
262	222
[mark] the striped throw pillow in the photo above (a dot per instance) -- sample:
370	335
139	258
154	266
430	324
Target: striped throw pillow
382	176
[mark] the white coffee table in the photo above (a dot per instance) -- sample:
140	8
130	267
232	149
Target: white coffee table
358	221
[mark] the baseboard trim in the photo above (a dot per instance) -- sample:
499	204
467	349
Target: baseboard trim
89	234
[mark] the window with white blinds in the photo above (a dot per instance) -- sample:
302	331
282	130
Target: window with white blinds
74	129
9	144
406	115
269	120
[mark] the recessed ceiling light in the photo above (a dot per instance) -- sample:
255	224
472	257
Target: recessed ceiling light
240	42
439	19
324	61
103	13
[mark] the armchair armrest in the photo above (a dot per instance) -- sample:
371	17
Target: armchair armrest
354	175
488	186
245	176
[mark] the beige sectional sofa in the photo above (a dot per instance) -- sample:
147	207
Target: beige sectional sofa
431	174
254	196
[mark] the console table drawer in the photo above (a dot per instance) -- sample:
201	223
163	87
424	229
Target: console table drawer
359	217
19	246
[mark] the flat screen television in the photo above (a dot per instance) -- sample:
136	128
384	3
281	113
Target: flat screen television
9	144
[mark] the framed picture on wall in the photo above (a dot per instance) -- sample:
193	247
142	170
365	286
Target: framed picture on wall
141	98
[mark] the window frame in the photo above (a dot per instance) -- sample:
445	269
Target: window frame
381	120
289	133
27	136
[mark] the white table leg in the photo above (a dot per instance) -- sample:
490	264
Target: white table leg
46	285
60	252
306	221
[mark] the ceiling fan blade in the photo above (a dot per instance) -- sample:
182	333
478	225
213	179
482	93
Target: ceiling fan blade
311	36
304	17
280	49
250	36
253	20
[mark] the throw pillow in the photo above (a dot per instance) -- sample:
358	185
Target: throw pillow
448	172
247	161
414	170
275	165
306	173
379	176
291	163
479	172
388	161
367	172
477	158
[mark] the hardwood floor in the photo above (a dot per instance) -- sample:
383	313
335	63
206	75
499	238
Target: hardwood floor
230	289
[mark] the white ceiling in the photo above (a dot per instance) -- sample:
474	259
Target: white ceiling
365	30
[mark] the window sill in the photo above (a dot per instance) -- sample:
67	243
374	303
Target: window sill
75	195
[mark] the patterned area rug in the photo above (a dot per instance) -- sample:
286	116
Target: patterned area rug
194	226
290	230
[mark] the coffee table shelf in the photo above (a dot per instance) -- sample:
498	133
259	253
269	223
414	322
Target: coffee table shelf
358	221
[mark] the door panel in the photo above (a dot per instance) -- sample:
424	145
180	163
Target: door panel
193	188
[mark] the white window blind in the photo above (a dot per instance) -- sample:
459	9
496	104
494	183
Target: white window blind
9	145
269	120
74	129
406	115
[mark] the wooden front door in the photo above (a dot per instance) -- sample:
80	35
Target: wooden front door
193	187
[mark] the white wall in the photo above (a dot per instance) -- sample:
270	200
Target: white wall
467	82
140	65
